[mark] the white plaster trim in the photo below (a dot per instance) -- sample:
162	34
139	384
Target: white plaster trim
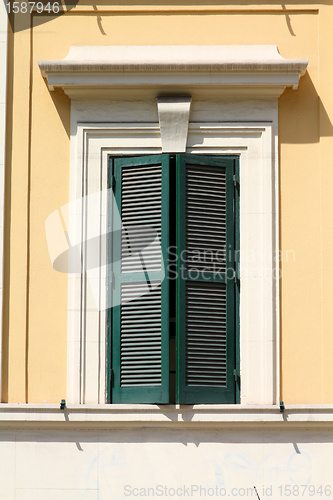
172	416
159	67
256	143
3	87
173	115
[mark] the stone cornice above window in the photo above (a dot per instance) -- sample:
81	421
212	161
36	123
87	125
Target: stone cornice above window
257	70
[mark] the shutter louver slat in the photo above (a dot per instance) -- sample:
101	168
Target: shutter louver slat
141	230
201	367
205	194
140	354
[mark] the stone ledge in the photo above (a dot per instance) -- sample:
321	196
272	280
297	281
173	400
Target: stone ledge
168	415
163	68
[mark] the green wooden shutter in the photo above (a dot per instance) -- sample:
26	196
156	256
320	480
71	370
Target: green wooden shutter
205	314
140	324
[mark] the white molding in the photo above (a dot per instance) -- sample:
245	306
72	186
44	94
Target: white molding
155	69
171	416
173	115
3	87
256	143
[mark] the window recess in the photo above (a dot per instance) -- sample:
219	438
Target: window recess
173	327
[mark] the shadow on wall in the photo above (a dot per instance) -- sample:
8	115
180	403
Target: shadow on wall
62	104
302	116
21	20
150	434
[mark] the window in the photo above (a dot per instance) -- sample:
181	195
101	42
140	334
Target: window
255	143
173	327
234	113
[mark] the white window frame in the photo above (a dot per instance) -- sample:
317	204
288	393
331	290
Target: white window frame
256	143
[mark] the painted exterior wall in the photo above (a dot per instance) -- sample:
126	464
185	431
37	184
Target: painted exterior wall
102	452
91	465
35	315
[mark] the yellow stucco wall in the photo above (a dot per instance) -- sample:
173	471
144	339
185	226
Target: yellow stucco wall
35	316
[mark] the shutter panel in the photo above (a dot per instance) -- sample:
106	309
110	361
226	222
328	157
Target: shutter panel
140	325
205	317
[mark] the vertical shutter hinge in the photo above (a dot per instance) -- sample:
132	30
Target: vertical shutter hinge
235	178
236	280
236	374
